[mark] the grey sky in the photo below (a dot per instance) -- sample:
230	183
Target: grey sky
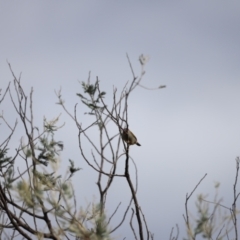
190	128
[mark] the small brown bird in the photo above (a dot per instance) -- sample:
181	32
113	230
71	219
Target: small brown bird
129	137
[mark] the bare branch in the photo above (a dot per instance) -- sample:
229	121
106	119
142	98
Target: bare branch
186	202
135	236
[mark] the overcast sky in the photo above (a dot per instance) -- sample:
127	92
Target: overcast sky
190	128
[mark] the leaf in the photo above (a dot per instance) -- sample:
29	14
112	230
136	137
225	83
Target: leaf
81	96
85	103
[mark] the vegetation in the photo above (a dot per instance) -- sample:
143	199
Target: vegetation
38	203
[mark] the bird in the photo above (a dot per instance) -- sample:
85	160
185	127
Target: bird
129	137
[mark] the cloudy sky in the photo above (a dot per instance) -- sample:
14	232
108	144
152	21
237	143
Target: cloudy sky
190	128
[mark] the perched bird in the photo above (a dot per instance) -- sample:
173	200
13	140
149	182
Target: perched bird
129	137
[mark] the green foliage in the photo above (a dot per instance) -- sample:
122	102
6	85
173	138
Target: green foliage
49	150
9	174
203	223
26	195
94	99
48	180
72	168
210	223
97	220
4	160
67	190
7	168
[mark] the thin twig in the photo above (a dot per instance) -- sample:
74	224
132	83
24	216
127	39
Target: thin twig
235	197
135	236
186	202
